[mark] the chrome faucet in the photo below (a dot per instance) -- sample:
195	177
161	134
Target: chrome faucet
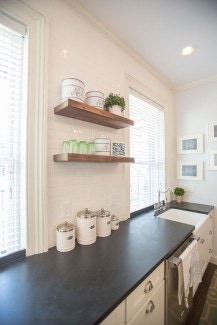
161	205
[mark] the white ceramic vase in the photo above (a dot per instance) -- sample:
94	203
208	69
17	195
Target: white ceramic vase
115	109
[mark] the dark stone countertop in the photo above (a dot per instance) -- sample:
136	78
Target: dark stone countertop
84	285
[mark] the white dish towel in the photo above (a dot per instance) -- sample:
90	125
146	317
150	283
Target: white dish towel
184	276
188	271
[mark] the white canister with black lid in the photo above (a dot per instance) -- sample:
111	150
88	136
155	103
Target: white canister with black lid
65	237
103	223
86	227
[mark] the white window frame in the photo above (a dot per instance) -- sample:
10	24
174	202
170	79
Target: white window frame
132	83
37	34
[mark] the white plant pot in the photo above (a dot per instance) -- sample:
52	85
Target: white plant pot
115	109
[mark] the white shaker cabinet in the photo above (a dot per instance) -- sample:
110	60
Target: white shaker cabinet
145	305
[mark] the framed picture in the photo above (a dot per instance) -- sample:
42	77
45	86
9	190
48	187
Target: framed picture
118	149
213	160
212	131
190	144
190	170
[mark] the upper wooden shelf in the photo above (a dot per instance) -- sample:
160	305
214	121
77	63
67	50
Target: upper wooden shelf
84	112
73	157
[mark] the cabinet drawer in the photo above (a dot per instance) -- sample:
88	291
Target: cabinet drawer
152	311
143	292
117	316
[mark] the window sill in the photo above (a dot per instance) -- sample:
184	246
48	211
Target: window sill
12	257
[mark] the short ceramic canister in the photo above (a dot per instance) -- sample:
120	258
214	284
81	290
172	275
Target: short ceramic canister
65	237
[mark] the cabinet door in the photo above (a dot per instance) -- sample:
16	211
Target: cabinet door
117	317
203	233
210	237
152	311
143	292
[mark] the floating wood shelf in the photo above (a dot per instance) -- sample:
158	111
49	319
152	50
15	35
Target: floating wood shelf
73	157
84	112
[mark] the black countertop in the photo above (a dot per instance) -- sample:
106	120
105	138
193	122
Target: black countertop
84	285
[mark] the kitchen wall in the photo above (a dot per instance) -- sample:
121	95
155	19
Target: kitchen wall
77	48
195	107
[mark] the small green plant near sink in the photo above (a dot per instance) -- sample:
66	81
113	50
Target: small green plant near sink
115	99
179	192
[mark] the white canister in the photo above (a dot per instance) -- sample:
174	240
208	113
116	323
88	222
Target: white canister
73	88
65	237
114	223
86	227
103	146
103	223
95	98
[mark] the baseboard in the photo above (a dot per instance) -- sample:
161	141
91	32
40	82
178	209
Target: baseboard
213	259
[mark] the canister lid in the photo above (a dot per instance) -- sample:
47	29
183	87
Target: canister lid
102	213
86	214
114	218
64	227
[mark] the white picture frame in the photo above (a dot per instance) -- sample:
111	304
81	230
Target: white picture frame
190	144
213	160
118	149
190	170
212	131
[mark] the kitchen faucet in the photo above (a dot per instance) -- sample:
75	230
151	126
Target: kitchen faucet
160	205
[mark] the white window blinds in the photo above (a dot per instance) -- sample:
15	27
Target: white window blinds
12	149
147	145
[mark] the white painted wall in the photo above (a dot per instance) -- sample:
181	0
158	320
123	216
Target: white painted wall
194	109
102	65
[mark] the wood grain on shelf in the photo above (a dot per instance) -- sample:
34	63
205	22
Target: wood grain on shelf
73	157
80	111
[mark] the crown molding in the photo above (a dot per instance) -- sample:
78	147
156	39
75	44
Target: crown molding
195	84
99	26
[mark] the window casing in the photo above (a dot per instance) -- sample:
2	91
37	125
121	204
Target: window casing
147	146
12	141
35	93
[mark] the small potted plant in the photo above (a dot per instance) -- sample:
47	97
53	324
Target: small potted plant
115	103
179	192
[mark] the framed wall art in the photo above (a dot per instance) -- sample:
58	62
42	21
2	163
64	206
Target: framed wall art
213	160
190	170
190	144
212	131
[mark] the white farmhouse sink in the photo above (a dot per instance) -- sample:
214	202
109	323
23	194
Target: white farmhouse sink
188	217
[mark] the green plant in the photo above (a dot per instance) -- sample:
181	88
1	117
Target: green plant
178	191
115	99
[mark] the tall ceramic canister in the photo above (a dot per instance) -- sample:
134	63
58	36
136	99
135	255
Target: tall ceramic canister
86	227
72	88
103	223
103	146
65	237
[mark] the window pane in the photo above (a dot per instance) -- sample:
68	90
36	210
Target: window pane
12	176
147	174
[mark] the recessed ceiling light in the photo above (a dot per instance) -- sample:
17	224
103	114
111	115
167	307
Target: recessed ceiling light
187	50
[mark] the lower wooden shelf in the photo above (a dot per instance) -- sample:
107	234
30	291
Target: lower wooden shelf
73	157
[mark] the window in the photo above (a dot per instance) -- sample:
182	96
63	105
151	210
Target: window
35	93
147	145
12	144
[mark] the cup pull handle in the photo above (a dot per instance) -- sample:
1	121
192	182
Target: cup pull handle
150	307
148	287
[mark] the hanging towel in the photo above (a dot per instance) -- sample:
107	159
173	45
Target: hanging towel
180	283
195	275
186	268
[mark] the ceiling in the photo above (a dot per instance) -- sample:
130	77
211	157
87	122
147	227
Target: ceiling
157	30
